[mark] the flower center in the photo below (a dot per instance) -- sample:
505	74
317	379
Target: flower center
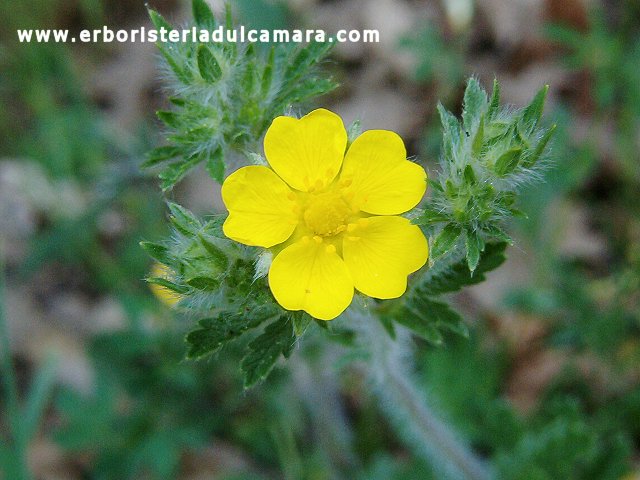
327	214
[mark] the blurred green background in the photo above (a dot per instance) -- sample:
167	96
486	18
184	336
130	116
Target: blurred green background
548	385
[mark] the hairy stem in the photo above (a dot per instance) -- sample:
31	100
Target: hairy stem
388	369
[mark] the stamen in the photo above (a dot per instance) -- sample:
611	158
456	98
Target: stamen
317	239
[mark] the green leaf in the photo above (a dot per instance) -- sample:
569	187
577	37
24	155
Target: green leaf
158	252
168	118
214	333
446	240
474	247
278	338
301	320
458	276
163	282
419	323
176	171
202	14
215	165
449	122
540	147
204	283
508	161
184	221
478	140
218	256
208	66
158	20
475	102
533	112
161	154
469	175
497	234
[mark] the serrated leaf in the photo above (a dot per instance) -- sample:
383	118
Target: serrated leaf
218	257
202	14
176	171
446	240
475	102
458	276
419	323
508	161
215	165
208	66
277	339
214	333
157	252
184	221
440	315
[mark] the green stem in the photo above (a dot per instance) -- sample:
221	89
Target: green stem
389	371
10	389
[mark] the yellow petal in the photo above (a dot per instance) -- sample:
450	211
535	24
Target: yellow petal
309	275
261	207
381	178
381	251
307	153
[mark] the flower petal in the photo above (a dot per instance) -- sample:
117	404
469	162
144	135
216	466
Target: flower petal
381	252
310	276
307	153
261	212
381	178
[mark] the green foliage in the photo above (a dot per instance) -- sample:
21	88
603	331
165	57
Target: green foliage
226	94
278	338
485	158
217	280
427	317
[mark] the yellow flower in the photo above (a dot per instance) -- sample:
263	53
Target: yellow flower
166	296
329	217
